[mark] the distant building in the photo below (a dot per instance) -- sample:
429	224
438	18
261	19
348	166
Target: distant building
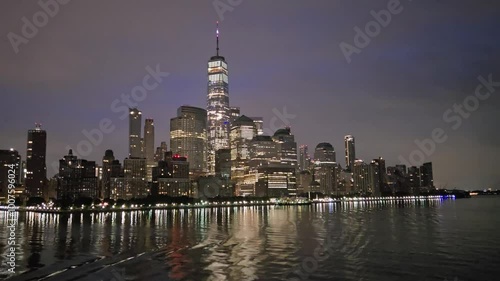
135	140
149	148
304	158
188	137
242	132
77	178
36	169
426	176
10	173
223	163
379	169
413	177
160	152
324	152
111	168
350	153
134	170
259	125
304	181
234	113
287	147
171	177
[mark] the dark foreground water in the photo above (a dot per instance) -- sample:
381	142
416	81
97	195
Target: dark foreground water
433	240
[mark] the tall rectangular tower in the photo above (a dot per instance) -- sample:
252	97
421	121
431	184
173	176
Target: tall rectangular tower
36	169
135	147
218	110
350	153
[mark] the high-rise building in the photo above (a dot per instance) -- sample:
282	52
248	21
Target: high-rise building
135	141
149	140
188	137
36	169
242	132
10	172
324	152
223	163
350	153
259	124
381	187
234	113
171	177
160	152
134	170
287	147
426	176
77	178
218	110
111	168
413	176
304	158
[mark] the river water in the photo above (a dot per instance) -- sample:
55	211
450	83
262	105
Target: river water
423	240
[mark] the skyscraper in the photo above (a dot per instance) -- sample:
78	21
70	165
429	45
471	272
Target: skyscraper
350	153
160	152
287	147
426	177
242	132
135	142
77	178
218	110
10	169
324	152
304	158
149	140
188	137
36	169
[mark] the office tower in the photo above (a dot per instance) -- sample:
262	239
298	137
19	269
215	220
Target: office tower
77	178
324	152
218	111
149	140
234	113
350	153
287	147
10	172
134	170
304	181
135	142
402	169
242	132
259	125
264	151
107	162
304	158
380	173
149	148
426	176
160	152
111	168
171	177
413	177
223	163
365	179
188	137
36	169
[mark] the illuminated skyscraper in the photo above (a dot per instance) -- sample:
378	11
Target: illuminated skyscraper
242	132
350	154
218	110
36	169
304	158
188	137
149	140
324	152
135	142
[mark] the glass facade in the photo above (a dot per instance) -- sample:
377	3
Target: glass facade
218	110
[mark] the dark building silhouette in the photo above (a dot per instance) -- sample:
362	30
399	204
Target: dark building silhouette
36	169
77	178
10	160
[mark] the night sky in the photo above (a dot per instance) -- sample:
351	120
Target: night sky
282	53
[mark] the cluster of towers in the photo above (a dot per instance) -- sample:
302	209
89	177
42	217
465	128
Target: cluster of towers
215	151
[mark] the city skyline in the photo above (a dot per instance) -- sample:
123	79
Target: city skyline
310	125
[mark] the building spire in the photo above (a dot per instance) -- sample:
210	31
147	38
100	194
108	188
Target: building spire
217	31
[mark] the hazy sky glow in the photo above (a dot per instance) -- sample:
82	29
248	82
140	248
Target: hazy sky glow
282	53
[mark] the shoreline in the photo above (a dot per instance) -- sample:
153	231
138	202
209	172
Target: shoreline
174	206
